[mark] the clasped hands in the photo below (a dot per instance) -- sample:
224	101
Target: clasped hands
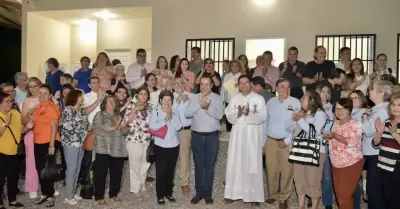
243	110
168	116
205	102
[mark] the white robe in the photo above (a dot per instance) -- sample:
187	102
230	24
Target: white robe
244	170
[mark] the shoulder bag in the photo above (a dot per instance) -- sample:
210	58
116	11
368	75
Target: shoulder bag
305	148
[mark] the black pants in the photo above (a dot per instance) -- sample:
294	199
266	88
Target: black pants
228	125
165	170
374	183
102	164
41	153
9	170
391	187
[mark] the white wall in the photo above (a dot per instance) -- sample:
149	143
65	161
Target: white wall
84	41
298	21
46	38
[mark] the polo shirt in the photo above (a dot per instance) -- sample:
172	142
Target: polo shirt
82	77
43	114
53	79
7	143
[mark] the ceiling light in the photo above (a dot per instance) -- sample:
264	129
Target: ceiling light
105	15
263	2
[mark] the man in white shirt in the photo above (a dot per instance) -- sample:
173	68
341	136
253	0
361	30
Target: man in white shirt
344	63
137	71
93	99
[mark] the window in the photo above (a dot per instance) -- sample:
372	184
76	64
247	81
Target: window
362	46
218	49
256	47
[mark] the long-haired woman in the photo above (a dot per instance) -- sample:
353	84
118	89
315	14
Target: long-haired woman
104	71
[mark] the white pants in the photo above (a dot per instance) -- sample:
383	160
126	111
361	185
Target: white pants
138	166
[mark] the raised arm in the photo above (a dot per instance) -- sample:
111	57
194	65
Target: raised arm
216	108
193	106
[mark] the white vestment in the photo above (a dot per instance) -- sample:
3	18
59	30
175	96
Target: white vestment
244	170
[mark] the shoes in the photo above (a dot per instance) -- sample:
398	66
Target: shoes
283	205
77	197
161	201
150	179
101	202
70	202
56	193
40	200
33	195
228	201
209	200
196	199
185	190
16	205
170	199
50	202
270	201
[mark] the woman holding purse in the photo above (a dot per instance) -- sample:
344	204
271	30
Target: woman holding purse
165	125
137	142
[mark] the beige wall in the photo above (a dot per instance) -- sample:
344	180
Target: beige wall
83	41
297	21
45	38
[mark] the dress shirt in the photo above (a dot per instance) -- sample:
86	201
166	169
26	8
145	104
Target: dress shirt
88	100
369	129
271	77
180	108
278	116
357	114
20	96
205	120
133	74
157	121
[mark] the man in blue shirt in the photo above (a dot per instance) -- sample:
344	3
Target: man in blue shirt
83	74
53	77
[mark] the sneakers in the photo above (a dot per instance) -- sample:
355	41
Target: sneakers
77	197
56	193
33	195
70	202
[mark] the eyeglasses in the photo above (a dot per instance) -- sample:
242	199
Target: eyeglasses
337	109
8	101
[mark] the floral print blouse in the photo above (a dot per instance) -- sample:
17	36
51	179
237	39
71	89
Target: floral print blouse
346	155
164	79
138	129
74	125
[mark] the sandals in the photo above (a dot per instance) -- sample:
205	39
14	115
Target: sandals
101	202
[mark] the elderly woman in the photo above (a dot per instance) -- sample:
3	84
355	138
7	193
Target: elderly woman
104	71
46	140
137	142
119	79
28	106
21	79
11	129
345	153
166	149
74	125
110	149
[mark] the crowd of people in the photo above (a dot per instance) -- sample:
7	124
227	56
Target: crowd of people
329	128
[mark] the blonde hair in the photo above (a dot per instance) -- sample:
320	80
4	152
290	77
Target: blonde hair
120	67
241	68
395	96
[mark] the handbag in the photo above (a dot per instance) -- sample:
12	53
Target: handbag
89	141
150	154
21	145
305	148
52	171
160	133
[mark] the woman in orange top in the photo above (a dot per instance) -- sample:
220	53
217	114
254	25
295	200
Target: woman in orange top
46	139
104	70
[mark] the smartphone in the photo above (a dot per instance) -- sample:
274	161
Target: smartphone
328	125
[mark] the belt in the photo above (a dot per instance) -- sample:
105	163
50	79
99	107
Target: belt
186	128
204	133
276	139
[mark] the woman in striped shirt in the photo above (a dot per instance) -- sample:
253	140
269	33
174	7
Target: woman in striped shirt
388	140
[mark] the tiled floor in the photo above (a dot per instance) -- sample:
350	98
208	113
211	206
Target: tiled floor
183	202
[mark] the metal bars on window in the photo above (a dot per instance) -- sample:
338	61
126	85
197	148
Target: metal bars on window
218	49
362	46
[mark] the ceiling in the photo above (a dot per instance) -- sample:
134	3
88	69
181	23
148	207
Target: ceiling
71	16
10	13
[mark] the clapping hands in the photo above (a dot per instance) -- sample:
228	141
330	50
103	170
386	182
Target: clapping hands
168	116
205	102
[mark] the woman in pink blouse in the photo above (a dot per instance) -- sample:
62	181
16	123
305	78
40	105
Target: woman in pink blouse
164	76
104	70
183	76
345	153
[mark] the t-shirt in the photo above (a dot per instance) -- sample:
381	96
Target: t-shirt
214	88
54	80
313	68
83	79
7	143
43	115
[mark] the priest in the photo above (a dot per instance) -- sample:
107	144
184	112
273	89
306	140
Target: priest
244	171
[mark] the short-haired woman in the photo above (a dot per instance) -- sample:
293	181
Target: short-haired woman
119	80
11	129
345	153
74	125
46	139
167	149
110	149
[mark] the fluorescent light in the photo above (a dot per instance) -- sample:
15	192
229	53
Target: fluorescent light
263	2
105	15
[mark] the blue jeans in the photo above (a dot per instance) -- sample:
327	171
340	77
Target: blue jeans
374	183
73	158
205	150
327	187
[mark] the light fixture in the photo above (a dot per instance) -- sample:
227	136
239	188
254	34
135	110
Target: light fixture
105	15
263	2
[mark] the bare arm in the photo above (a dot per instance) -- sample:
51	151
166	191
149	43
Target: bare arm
54	127
198	78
